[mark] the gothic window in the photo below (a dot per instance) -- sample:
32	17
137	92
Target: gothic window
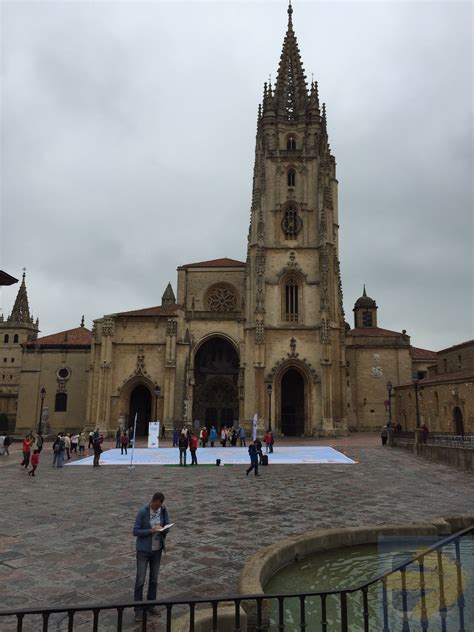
6	338
15	338
60	403
291	143
222	298
367	319
290	307
291	223
291	177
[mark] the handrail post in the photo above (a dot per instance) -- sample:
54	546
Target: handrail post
344	627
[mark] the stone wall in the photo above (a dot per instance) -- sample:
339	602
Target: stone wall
462	458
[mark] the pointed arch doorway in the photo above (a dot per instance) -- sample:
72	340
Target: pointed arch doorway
292	403
140	405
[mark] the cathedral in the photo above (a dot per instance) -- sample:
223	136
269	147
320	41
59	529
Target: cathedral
266	335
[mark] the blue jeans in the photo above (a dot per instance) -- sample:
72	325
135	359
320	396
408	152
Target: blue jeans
152	559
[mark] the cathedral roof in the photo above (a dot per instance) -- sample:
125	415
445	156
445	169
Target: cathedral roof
365	301
77	337
423	354
373	332
443	378
216	263
159	310
21	309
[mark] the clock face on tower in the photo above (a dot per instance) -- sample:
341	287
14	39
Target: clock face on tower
291	223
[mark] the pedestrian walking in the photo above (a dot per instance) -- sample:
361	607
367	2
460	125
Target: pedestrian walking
82	443
384	434
258	447
223	436
2	443
253	460
242	436
58	450
38	443
124	443
163	431
213	436
26	449
34	463
424	432
175	438
67	445
97	447
91	439
74	442
192	448
150	543
118	437
183	446
6	444
267	440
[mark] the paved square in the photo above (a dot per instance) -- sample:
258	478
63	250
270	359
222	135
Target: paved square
229	456
66	535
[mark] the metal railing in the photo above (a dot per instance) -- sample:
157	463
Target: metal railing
368	603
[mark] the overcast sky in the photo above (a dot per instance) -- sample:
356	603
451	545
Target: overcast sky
128	134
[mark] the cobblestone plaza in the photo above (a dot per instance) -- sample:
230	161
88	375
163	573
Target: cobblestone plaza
66	535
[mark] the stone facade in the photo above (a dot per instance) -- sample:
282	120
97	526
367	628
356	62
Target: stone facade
59	364
445	396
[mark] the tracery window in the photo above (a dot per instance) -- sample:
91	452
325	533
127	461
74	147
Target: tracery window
291	143
291	308
291	223
291	177
15	338
6	338
222	299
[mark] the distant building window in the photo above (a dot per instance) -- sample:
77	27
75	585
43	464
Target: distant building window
15	338
12	360
4	359
459	362
291	177
445	365
64	373
367	319
6	338
291	300
291	143
60	403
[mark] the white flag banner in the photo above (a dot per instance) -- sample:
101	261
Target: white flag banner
154	434
254	427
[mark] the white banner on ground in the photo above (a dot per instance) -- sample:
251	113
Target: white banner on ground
254	427
154	434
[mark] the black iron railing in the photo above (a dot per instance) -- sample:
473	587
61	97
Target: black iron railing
365	608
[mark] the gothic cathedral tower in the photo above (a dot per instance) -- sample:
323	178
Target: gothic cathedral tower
294	338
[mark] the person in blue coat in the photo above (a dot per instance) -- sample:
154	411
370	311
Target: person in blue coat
150	544
253	459
213	436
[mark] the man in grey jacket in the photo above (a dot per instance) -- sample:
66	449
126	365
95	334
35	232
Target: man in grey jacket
148	530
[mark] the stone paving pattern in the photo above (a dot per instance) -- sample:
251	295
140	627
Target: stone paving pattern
65	536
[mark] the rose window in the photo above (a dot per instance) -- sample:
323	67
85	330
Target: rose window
222	299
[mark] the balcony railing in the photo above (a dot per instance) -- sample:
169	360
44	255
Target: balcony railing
365	608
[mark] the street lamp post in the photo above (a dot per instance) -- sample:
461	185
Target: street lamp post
417	408
42	395
269	393
157	394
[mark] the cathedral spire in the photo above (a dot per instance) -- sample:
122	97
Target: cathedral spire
168	297
21	309
290	92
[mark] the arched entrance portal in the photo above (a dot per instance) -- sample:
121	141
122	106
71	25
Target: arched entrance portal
216	374
140	405
292	403
458	421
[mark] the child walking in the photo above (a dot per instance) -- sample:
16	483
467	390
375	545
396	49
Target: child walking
34	463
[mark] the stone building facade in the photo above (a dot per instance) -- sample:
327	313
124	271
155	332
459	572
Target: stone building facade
239	328
17	329
445	395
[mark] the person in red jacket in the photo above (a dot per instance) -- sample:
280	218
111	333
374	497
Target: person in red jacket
34	462
26	449
193	444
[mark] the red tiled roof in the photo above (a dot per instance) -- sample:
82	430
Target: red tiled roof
79	336
458	346
159	310
373	332
446	378
216	263
423	354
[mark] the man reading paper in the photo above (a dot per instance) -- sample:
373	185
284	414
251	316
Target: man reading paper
151	534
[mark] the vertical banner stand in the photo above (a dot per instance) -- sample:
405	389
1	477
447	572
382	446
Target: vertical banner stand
131	466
